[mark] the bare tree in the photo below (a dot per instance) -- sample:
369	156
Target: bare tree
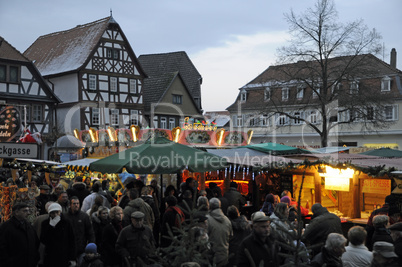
330	73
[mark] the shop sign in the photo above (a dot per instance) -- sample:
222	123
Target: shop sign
308	181
398	188
190	124
377	186
18	150
337	183
10	124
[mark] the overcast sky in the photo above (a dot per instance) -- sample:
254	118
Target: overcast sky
230	42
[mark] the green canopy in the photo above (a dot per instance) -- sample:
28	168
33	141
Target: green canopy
277	149
384	152
159	156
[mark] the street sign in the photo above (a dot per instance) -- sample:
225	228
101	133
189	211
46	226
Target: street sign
18	150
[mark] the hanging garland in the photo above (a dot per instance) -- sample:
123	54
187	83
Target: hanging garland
8	195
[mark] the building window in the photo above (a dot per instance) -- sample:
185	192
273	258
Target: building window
112	53
285	94
370	113
299	116
267	94
113	84
9	74
114	117
92	82
134	117
282	119
316	92
133	86
300	93
28	113
156	121
234	120
177	99
163	123
95	116
264	120
354	87
239	120
386	84
243	95
3	73
37	113
172	123
391	112
313	117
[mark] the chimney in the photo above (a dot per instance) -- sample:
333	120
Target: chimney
393	58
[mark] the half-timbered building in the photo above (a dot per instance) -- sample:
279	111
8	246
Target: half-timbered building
23	89
95	72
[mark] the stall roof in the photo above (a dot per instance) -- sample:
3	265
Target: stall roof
249	157
80	162
355	159
277	149
333	149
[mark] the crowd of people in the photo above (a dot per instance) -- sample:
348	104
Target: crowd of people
85	224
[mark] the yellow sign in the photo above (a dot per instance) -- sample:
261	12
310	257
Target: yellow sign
308	181
377	186
390	145
398	188
337	183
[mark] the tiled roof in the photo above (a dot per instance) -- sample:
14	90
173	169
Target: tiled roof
155	87
156	65
7	51
68	50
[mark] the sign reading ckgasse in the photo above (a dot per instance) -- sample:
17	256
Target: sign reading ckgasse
16	150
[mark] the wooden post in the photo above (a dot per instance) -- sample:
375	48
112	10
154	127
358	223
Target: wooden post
355	212
317	188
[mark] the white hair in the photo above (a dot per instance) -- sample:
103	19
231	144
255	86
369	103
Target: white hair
214	203
334	240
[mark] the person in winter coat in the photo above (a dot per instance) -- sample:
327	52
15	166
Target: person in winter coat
241	229
357	254
172	218
78	189
58	237
90	199
99	221
43	198
396	234
19	243
381	232
322	224
136	243
384	255
82	227
109	237
259	246
280	224
219	231
234	197
92	258
331	253
268	205
138	204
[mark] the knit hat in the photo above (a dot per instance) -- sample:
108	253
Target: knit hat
54	207
259	216
91	248
286	200
386	249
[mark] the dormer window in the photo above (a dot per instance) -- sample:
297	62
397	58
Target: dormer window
354	87
300	92
267	94
316	92
285	94
243	95
386	84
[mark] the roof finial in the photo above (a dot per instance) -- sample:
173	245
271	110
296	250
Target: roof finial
111	19
111	12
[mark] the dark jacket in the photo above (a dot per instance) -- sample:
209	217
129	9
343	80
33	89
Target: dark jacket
320	227
234	197
381	234
241	229
92	261
173	217
258	251
109	238
79	190
41	201
18	244
139	204
134	243
325	257
83	230
59	243
98	227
